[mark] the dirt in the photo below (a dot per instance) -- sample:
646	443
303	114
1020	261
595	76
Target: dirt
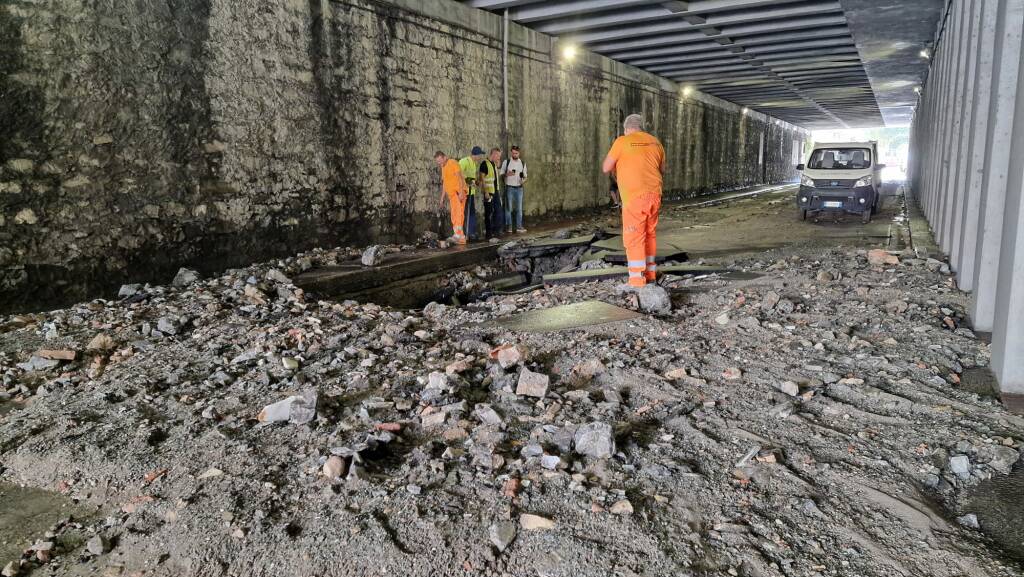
804	421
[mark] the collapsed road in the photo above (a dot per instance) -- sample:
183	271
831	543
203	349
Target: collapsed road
808	404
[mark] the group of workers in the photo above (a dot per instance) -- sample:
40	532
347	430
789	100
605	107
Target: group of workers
473	177
636	164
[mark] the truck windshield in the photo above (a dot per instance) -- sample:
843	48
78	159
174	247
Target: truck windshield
840	158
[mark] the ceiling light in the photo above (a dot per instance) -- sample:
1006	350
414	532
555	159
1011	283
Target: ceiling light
917	89
687	90
745	110
925	55
569	52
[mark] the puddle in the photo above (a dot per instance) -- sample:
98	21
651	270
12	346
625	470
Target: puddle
26	514
999	506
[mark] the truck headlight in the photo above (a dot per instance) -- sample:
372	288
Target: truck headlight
806	181
866	181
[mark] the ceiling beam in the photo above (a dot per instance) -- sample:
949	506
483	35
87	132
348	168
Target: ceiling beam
623	23
553	10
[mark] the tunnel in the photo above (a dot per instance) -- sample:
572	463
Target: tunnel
512	287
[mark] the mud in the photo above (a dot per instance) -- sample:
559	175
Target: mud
804	418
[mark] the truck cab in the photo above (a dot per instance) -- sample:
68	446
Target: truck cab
841	177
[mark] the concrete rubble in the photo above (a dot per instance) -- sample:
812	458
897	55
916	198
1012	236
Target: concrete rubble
787	424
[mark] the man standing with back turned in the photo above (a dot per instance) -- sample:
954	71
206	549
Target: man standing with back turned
637	160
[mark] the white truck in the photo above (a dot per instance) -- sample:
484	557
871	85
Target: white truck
841	177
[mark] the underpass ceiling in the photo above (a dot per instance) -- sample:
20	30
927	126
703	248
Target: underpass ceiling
814	63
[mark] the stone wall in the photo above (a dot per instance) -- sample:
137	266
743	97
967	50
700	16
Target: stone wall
136	137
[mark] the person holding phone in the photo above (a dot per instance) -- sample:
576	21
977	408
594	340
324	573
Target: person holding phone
514	171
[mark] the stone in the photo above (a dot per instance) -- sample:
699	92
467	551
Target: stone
770	299
304	409
960	465
1003	459
594	440
10	569
825	276
676	374
502	534
185	277
38	363
101	342
589	369
57	354
278	276
26	216
722	319
532	384
655	299
881	257
532	522
732	374
969	520
511	355
335	467
167	326
487	414
433	420
789	387
373	255
128	290
290	363
296	409
550	462
623	507
97	545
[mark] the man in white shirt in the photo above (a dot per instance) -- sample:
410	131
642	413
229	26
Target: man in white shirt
514	171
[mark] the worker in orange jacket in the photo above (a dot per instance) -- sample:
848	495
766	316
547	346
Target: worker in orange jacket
637	162
453	184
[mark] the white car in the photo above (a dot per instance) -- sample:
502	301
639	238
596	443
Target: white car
841	177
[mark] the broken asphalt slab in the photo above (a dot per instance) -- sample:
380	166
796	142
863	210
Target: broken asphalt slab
576	315
623	272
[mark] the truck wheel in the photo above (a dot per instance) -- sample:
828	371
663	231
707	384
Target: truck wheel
803	214
865	217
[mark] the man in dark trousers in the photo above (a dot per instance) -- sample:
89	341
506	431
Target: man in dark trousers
494	216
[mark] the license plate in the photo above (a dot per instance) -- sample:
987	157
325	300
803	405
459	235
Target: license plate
833	204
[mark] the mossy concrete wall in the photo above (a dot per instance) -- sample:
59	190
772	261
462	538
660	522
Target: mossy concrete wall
140	136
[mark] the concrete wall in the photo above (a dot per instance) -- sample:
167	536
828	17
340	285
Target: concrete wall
967	169
139	136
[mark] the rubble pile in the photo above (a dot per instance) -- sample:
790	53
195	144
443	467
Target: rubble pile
798	423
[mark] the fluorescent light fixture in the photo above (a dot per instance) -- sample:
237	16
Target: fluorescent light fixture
569	52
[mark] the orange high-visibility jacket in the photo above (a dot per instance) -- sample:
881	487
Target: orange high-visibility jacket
639	159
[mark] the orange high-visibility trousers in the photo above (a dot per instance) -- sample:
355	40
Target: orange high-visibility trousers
639	224
458	209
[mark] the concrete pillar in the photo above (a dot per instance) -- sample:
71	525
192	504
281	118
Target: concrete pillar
954	219
958	84
1008	332
966	247
1001	118
947	114
937	121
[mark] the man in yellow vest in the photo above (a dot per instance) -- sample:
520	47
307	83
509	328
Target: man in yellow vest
637	162
494	216
453	184
470	166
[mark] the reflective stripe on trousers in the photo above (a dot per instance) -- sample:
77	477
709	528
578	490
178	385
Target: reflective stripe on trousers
639	225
